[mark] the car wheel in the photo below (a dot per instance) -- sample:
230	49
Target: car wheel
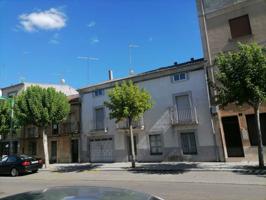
35	171
14	172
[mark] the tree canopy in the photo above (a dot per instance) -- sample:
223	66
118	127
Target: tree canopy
242	75
41	107
128	101
4	116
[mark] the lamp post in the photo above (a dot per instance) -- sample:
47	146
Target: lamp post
11	120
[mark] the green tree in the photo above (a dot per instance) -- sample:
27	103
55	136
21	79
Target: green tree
42	107
128	102
4	117
242	79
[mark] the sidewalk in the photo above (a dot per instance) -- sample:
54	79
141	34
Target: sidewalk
161	166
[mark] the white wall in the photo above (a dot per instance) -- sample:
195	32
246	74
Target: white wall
157	120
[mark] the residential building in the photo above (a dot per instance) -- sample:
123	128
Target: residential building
178	127
63	138
223	24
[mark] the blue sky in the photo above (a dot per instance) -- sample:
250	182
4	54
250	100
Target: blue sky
40	41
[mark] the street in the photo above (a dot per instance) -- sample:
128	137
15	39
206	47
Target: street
168	185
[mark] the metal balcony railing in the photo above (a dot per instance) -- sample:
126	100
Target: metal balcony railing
70	128
136	124
183	116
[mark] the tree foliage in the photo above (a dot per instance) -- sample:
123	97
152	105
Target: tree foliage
242	75
4	116
128	101
41	107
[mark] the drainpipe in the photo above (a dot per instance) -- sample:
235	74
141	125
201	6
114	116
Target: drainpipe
209	59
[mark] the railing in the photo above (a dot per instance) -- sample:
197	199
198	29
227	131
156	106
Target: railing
136	124
70	128
183	116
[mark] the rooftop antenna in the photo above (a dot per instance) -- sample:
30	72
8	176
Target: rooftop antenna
130	46
88	59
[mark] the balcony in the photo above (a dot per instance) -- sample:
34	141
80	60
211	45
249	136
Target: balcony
136	124
183	116
70	128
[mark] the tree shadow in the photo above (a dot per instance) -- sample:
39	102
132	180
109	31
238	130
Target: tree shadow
251	170
76	168
163	168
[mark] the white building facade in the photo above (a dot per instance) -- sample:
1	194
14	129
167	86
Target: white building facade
177	128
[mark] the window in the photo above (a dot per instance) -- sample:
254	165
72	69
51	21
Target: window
32	148
99	118
55	129
184	111
155	145
180	76
32	132
12	159
240	26
98	92
12	94
188	143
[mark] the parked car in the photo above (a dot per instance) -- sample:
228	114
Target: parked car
19	164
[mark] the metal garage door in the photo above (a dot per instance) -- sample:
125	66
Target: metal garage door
101	150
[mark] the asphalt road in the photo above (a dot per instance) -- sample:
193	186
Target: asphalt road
171	186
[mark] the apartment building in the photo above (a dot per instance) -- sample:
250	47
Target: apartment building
177	128
223	24
63	138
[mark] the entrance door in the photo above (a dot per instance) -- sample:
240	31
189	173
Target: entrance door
53	151
232	137
74	151
129	150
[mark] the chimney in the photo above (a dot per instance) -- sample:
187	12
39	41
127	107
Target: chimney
110	73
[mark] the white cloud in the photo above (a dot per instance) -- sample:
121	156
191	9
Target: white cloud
43	20
91	24
94	40
54	39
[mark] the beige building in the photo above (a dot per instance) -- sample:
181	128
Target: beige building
63	138
223	24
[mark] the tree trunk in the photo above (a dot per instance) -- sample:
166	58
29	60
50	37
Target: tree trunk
260	145
45	148
133	159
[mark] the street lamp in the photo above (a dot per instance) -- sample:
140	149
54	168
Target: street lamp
11	119
131	46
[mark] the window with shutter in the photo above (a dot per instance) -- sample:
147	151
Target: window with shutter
188	143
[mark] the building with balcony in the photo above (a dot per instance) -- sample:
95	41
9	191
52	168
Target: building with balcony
224	23
63	138
178	127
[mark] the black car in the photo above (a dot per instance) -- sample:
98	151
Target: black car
19	164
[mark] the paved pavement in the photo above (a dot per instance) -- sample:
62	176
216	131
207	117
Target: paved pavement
172	185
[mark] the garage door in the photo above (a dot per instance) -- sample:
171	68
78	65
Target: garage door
101	150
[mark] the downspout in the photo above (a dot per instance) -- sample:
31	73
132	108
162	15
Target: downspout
209	59
80	128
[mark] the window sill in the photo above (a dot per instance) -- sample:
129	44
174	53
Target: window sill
241	38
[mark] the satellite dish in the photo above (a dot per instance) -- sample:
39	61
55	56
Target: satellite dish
131	72
62	81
